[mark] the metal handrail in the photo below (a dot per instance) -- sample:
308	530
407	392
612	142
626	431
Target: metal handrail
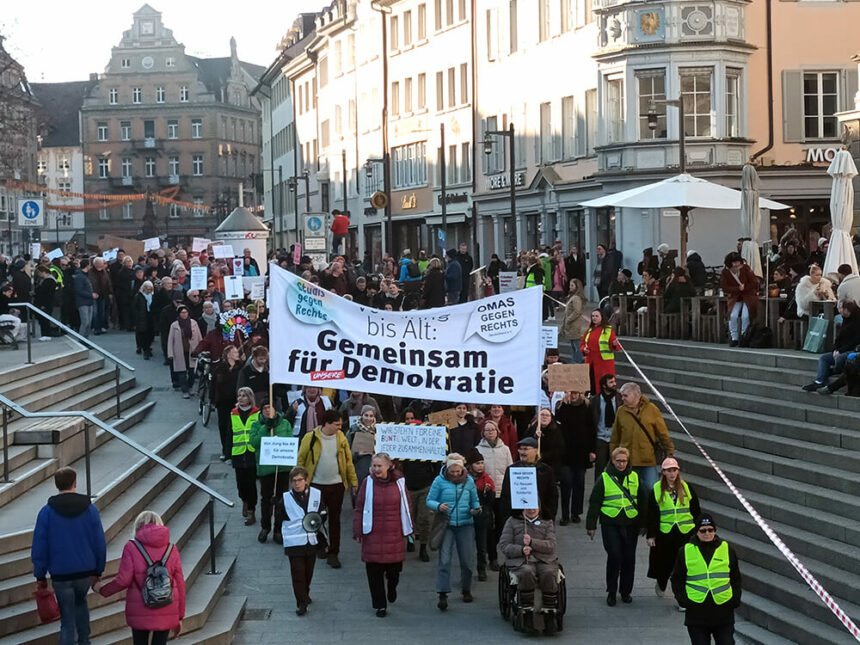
68	330
8	404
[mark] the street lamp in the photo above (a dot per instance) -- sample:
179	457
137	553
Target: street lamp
384	10
275	236
293	185
489	142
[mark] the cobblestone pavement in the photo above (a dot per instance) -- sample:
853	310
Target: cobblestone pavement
341	610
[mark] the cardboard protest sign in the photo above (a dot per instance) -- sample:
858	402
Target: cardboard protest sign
233	289
568	378
279	451
447	418
199	244
198	278
223	252
151	244
507	281
524	492
409	441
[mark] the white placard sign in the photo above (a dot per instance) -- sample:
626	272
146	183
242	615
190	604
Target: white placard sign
408	441
54	254
258	289
151	244
293	396
279	451
222	251
199	244
524	492
548	338
198	278
238	266
233	287
353	419
36	251
110	255
507	281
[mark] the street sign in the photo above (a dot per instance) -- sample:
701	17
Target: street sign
314	225
31	212
315	243
442	236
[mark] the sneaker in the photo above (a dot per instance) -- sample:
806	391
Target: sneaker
186	395
657	590
332	561
681	609
610	599
443	602
812	387
302	610
824	390
733	343
381	613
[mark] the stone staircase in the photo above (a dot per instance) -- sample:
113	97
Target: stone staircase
794	455
124	483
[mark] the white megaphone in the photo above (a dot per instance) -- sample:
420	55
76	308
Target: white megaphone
312	522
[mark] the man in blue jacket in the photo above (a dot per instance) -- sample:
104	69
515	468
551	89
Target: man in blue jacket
84	296
453	277
69	543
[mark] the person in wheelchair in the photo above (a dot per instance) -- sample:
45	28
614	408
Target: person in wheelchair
531	553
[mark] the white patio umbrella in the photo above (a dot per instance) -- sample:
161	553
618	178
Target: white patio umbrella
841	251
750	218
683	192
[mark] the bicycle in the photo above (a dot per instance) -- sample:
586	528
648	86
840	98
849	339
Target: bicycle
204	387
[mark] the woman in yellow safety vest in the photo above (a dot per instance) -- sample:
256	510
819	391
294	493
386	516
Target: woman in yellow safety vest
242	457
618	501
671	510
599	345
706	582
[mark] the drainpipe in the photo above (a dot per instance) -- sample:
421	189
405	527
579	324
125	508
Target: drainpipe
769	31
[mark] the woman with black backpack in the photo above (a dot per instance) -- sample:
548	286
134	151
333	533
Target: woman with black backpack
151	570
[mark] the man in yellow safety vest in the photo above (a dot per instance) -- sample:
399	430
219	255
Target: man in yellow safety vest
706	582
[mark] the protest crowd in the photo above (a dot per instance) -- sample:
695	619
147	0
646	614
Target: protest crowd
214	338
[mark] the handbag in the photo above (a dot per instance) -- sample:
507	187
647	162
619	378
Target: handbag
659	452
440	524
816	335
46	604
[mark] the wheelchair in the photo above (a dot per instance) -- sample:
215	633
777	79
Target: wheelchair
509	602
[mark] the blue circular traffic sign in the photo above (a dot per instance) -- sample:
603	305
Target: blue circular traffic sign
314	223
30	209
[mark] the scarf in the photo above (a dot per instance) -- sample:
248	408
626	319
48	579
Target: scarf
314	410
367	514
148	298
185	327
210	320
609	409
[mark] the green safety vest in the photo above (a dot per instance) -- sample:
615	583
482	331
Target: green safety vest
547	274
57	274
615	501
672	513
712	578
530	279
606	352
242	434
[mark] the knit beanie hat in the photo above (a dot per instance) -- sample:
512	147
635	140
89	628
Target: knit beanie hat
455	459
474	457
705	519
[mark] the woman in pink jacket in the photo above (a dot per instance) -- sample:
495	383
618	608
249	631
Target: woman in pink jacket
381	521
150	532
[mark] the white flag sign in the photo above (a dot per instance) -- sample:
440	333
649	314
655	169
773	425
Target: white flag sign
223	251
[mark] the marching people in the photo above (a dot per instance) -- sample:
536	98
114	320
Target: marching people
497	458
669	522
381	520
153	610
547	490
530	550
507	432
69	544
706	582
550	440
454	498
362	442
183	338
300	546
463	436
307	409
242	455
639	427
325	454
224	388
598	346
419	476
604	407
579	434
487	498
269	423
616	500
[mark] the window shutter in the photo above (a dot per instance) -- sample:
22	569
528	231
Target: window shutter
792	105
581	130
850	85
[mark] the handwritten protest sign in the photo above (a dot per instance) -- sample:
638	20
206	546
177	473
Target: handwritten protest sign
199	244
524	493
151	244
568	378
223	251
279	451
110	255
548	338
407	441
198	279
447	418
507	281
258	289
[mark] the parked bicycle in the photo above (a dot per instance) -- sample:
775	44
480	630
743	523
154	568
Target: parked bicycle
204	386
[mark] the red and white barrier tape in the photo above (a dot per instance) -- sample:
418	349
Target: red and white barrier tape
816	586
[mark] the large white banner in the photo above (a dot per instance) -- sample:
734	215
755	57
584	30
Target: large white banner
487	351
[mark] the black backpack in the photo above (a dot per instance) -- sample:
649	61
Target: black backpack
757	337
413	270
157	587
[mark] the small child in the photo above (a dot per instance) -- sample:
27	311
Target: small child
487	497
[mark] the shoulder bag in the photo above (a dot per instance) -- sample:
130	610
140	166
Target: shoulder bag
659	452
440	524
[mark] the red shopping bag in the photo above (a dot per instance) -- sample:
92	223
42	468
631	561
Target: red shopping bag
46	604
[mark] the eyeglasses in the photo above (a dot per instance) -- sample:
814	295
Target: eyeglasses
705	529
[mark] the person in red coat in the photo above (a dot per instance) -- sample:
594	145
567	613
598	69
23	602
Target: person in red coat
154	537
740	285
599	345
507	430
380	522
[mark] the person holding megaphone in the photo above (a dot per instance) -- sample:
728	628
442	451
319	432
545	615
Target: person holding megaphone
303	507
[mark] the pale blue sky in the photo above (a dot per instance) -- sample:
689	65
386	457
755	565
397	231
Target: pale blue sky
59	40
